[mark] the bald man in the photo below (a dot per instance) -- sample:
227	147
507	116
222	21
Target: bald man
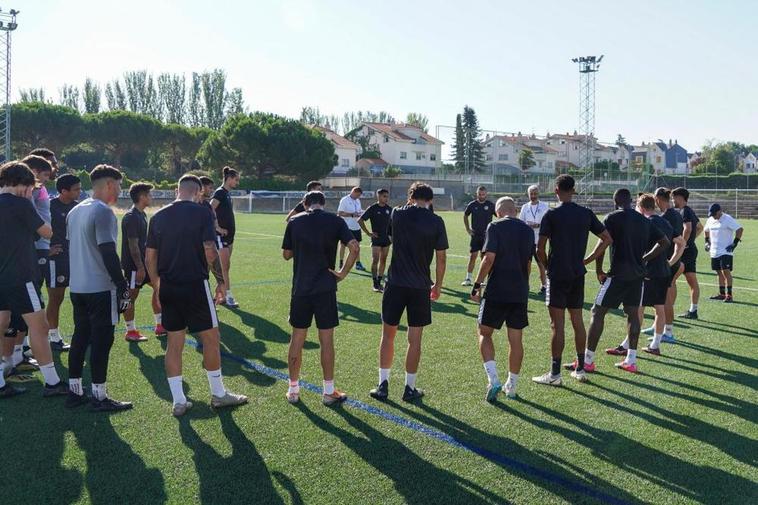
508	249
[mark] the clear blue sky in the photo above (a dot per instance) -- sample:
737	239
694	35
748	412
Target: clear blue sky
673	69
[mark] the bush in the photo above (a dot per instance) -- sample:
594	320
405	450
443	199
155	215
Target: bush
391	172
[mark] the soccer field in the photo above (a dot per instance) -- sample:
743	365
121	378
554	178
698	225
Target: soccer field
682	431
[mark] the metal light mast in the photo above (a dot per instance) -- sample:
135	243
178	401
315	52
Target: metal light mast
588	67
7	25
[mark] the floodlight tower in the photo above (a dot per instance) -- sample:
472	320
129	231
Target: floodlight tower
7	25
588	67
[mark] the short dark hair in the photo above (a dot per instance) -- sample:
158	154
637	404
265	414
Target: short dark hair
65	182
382	191
229	172
314	197
565	183
481	188
105	172
190	178
37	163
358	189
622	196
646	201
663	193
422	191
683	192
44	152
138	189
16	173
311	186
206	181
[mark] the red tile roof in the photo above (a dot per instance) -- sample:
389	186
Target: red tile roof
393	131
337	140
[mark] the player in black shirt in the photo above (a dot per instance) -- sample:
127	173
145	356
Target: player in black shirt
567	228
69	189
180	246
692	229
20	225
300	207
418	236
379	216
204	199
508	249
636	243
225	225
480	212
311	239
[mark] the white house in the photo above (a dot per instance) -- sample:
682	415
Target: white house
401	145
502	154
748	162
345	150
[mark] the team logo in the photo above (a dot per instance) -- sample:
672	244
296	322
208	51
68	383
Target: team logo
42	261
387	211
61	278
486	207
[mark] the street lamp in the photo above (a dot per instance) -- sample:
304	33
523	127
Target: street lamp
7	24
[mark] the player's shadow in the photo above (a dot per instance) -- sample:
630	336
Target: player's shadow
714	372
711	273
289	486
153	369
742	359
451	308
690	481
241	477
418	481
723	327
527	459
268	331
353	313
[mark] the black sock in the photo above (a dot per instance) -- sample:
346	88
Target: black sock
555	367
722	290
729	290
580	361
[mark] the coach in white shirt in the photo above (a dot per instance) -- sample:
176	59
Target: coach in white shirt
722	234
532	213
350	210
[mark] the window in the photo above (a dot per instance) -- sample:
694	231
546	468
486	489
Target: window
638	159
433	157
346	162
403	155
386	138
488	158
549	164
539	163
502	157
419	156
657	159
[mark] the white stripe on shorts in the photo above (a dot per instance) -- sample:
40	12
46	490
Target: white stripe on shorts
218	241
547	291
642	293
603	291
211	305
51	266
133	281
33	297
114	308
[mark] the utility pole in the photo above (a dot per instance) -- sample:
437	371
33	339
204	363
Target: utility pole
8	25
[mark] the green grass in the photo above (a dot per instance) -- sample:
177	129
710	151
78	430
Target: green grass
683	431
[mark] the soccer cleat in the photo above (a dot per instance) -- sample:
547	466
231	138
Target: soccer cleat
335	398
492	391
617	351
381	392
59	346
232	303
27	351
580	375
60	389
667	338
588	367
179	409
228	400
728	299
293	397
629	367
160	331
378	288
74	400
717	297
510	390
655	351
27	365
467	282
134	336
109	405
359	266
689	315
648	331
548	379
411	394
8	390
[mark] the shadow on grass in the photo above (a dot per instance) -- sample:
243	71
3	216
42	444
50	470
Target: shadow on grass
265	330
356	314
725	328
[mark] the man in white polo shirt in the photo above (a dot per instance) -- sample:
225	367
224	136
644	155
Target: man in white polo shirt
350	210
532	213
722	234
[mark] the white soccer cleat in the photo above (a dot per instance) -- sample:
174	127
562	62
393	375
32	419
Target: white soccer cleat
579	375
548	379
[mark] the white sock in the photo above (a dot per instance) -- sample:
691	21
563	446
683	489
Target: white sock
631	357
693	307
668	329
491	370
294	386
328	387
229	293
130	326
18	355
216	381
26	341
157	318
53	335
49	373
99	391
512	379
656	343
2	378
75	386
384	375
177	390
589	356
625	343
468	276
410	380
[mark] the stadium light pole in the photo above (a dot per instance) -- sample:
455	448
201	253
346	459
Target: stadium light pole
588	67
8	25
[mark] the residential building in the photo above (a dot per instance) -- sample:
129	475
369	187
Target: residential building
346	151
404	146
748	162
502	154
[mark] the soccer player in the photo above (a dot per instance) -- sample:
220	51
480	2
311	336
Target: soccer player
532	213
722	234
567	227
300	207
20	224
44	164
350	210
379	216
310	240
480	212
133	243
692	228
180	247
508	249
69	189
204	199
99	292
636	242
418	236
226	227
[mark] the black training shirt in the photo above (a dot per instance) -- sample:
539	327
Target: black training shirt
567	227
19	223
133	225
313	237
677	225
512	241
689	216
206	204
58	213
658	267
481	215
225	209
178	232
632	233
379	217
416	234
300	207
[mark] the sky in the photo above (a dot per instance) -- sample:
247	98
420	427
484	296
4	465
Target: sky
685	70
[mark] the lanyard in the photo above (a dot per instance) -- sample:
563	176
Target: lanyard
534	215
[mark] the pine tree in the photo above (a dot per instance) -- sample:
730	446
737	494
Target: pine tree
474	154
459	145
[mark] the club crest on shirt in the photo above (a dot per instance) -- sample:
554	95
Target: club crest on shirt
42	261
486	207
61	278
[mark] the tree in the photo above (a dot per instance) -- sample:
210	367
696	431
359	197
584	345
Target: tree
121	132
719	159
459	145
235	103
418	120
474	153
620	140
32	95
213	85
69	96
526	159
91	96
115	96
183	143
141	94
195	112
39	124
171	95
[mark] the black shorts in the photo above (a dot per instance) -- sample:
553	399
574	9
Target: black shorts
614	292
95	310
565	293
226	240
494	314
357	235
187	306
131	279
381	241
17	324
476	244
723	262
416	302
322	307
21	299
58	272
42	264
674	270
654	291
689	259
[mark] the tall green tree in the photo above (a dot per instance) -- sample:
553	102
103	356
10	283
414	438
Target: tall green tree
141	94
119	133
195	111
526	159
91	96
39	124
115	97
235	103
459	145
69	96
418	120
182	144
32	95
474	153
172	96
213	85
